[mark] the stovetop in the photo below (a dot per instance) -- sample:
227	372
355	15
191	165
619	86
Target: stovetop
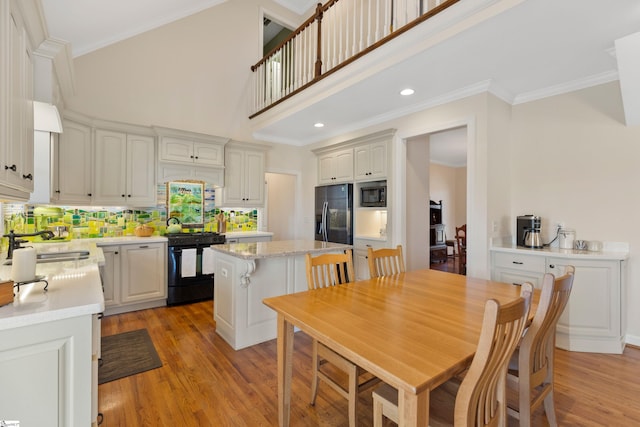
200	238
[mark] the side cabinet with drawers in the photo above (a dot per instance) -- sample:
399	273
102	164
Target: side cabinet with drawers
595	317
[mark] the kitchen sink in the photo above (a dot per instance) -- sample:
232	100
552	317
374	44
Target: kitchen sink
57	257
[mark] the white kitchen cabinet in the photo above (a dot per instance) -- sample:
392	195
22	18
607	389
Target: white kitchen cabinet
51	373
335	167
173	172
16	104
594	319
370	161
110	275
124	169
178	146
134	276
243	178
143	272
596	313
518	268
183	151
73	167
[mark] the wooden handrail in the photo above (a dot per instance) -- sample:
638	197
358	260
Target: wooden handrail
318	75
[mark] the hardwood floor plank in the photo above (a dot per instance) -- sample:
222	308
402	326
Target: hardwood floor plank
204	382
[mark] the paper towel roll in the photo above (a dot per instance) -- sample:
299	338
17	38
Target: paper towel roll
23	266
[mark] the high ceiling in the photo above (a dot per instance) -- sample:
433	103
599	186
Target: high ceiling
533	49
93	24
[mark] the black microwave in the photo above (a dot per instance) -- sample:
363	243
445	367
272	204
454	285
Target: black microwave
373	196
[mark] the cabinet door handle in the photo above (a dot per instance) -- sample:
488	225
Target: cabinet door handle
12	167
552	266
122	195
143	247
518	262
29	177
89	194
58	191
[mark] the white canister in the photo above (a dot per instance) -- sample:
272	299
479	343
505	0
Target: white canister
23	265
566	237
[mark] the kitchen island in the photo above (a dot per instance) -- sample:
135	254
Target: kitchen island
50	342
246	273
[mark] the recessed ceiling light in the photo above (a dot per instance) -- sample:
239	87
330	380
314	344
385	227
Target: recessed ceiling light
319	125
407	92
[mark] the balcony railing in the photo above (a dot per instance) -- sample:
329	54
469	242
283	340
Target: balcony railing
338	33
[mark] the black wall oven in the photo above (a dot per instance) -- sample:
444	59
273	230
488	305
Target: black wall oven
188	281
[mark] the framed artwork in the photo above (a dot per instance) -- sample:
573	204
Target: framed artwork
185	201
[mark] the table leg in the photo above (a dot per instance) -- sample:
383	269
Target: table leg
285	367
413	409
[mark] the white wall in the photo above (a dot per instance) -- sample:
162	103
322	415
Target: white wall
574	161
193	74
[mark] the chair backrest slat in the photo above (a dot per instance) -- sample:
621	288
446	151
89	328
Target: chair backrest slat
385	262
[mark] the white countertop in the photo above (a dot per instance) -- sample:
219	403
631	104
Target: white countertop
278	248
74	289
615	251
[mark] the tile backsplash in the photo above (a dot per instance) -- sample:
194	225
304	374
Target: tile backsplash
92	221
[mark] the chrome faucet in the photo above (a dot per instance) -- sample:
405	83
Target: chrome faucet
14	241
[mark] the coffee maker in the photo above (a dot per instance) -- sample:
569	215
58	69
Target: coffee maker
528	233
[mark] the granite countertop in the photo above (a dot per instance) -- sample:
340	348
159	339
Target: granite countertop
610	251
74	288
278	248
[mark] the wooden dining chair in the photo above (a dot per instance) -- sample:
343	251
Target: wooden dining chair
480	399
461	244
385	261
332	270
530	376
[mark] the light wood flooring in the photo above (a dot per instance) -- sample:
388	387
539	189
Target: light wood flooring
203	382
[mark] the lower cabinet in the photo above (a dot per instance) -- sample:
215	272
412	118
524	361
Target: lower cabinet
134	276
594	319
49	374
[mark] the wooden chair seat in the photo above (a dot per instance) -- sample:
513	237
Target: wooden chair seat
333	270
480	398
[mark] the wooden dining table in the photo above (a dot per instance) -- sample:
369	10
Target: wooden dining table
413	330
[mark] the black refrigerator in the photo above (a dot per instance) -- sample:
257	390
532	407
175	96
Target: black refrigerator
334	213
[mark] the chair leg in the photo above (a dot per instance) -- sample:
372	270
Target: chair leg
550	410
377	412
315	367
353	396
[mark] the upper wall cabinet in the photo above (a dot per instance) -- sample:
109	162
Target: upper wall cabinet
335	167
361	159
244	176
176	146
124	169
371	161
16	104
71	164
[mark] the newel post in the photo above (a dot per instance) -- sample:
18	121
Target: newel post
318	64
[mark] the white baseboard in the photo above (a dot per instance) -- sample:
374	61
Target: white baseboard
633	340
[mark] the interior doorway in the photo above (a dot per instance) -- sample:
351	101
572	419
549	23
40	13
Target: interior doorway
448	188
280	201
436	171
